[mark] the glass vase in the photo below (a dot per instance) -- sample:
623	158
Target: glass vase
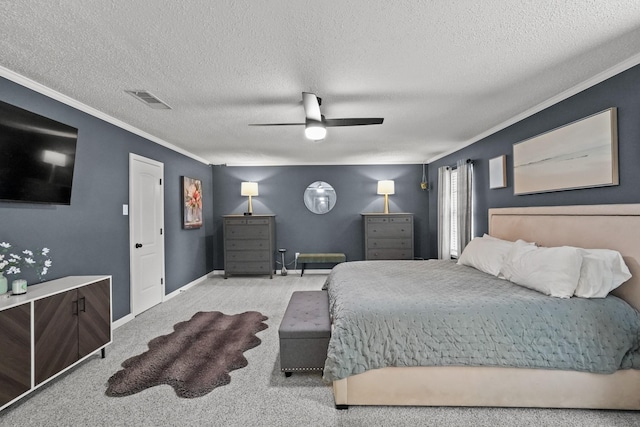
3	283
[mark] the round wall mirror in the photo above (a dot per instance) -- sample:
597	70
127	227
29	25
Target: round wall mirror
320	197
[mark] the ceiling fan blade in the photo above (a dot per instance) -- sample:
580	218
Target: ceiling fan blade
353	122
311	106
276	124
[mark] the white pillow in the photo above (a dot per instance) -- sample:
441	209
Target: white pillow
602	271
552	271
485	254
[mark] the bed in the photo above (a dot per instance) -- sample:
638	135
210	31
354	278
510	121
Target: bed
470	384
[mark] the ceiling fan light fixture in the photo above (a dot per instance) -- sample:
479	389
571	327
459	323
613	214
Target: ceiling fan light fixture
315	130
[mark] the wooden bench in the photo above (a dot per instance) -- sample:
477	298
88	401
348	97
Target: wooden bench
304	332
320	258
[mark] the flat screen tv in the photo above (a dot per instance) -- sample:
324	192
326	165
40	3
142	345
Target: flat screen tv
37	157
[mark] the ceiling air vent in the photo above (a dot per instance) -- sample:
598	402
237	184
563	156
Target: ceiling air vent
149	99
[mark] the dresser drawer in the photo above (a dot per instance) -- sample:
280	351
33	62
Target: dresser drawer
247	267
389	230
235	221
248	255
239	245
401	220
378	220
389	219
378	254
247	232
389	243
243	221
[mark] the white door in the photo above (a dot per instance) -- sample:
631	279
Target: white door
146	232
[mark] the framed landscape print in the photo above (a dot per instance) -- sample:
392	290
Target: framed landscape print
580	154
191	203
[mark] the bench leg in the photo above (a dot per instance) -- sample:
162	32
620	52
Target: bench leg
287	374
304	264
342	407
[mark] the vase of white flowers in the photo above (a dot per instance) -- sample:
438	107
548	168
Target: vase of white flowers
39	261
9	264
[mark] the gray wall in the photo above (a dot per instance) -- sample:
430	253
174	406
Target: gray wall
297	229
620	91
91	236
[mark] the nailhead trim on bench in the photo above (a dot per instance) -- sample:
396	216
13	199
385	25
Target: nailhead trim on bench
302	369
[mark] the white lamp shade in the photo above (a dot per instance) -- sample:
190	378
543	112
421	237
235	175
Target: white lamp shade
249	189
386	187
315	130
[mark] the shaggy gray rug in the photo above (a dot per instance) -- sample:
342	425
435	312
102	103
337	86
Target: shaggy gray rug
194	359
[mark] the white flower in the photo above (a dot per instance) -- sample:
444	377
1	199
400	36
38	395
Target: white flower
11	263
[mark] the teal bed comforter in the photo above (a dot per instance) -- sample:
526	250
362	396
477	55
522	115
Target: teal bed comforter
438	313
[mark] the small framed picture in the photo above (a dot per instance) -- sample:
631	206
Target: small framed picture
498	172
191	203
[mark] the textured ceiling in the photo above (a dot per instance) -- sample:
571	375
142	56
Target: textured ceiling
441	73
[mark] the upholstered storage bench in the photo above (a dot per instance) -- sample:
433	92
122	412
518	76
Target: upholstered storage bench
320	258
304	332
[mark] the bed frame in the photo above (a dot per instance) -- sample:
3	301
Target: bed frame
595	226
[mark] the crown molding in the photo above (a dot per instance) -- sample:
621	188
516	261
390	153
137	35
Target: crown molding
50	93
598	78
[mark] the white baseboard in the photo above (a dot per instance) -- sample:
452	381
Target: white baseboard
129	317
185	287
279	272
121	321
307	272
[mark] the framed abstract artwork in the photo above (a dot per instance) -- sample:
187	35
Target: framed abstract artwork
498	172
191	203
581	154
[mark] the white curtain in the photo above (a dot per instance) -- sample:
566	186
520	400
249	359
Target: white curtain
465	189
444	212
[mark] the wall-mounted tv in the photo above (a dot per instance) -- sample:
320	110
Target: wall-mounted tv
37	157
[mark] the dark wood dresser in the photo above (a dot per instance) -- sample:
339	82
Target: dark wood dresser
388	236
249	244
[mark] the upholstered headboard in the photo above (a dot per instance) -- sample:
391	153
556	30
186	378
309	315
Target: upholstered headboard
590	226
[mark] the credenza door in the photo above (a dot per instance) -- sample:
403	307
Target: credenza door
15	352
56	334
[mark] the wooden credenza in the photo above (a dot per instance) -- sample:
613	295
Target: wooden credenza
70	319
249	244
388	236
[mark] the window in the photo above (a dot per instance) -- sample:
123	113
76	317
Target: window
454	213
455	208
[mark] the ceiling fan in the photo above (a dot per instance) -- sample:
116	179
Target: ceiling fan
316	124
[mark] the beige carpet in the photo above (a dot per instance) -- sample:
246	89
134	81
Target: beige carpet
259	394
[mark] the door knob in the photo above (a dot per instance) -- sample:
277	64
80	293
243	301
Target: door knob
138	245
